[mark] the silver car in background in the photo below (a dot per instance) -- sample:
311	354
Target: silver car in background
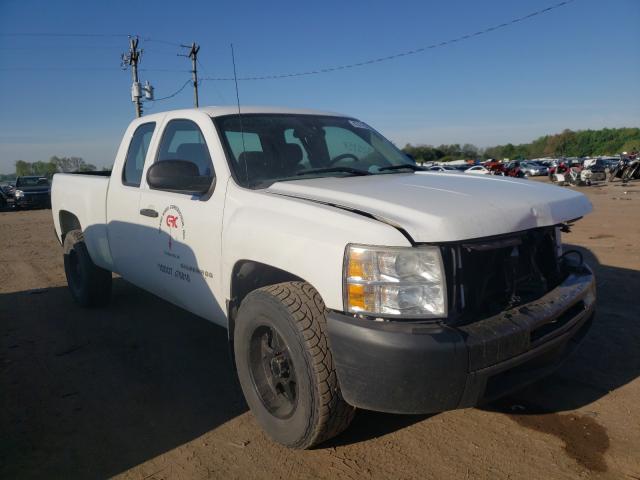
533	169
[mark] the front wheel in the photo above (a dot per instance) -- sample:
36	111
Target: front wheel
89	284
285	365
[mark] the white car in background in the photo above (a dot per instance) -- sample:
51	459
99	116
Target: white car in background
441	168
478	170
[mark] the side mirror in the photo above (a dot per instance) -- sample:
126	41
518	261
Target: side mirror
179	176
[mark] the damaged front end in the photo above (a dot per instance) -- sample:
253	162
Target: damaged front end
492	275
517	307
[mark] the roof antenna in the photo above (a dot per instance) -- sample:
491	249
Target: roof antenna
235	79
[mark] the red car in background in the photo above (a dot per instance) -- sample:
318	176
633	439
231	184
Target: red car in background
513	170
496	168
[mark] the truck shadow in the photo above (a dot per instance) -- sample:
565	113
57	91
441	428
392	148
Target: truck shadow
92	393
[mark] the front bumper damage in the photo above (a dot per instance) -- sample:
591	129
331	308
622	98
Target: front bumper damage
415	368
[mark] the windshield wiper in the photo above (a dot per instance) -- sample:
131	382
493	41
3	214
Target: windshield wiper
410	166
352	171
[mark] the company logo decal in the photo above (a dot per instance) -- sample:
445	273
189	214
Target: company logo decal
172	224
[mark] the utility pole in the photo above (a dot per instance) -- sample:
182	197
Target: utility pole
132	58
193	55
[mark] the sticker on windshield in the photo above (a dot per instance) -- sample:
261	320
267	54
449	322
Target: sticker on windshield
358	124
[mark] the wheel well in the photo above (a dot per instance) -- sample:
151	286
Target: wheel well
68	222
247	276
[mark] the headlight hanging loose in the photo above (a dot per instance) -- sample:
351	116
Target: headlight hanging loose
406	282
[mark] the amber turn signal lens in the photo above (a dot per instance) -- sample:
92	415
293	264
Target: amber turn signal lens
356	297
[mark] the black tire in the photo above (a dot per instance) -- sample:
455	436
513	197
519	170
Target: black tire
90	285
286	324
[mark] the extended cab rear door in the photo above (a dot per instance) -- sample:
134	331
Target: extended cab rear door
123	196
179	250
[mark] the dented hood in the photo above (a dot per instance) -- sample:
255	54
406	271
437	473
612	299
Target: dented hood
442	207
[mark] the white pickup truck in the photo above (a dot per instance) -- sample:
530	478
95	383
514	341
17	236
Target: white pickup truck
347	276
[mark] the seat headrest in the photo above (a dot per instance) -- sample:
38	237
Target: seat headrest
196	153
291	154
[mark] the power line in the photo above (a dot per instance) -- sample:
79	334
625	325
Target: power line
165	42
168	70
215	87
174	93
53	34
87	35
399	54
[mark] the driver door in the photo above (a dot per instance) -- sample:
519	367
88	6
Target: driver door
180	244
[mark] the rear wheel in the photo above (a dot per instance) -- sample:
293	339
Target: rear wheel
89	284
285	366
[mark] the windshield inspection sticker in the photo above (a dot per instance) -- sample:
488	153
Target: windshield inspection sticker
358	124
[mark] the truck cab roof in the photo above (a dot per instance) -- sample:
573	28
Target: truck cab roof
222	110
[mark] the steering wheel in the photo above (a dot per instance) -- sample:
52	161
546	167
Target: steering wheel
335	160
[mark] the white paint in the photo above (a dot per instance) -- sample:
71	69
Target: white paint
288	225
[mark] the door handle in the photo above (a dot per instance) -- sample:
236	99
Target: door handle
148	212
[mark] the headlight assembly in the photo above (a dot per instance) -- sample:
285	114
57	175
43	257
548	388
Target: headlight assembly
18	194
406	282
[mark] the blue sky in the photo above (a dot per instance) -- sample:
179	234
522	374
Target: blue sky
576	67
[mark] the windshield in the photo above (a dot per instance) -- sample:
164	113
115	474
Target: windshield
266	148
32	182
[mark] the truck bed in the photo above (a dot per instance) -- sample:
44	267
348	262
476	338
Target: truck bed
97	173
83	196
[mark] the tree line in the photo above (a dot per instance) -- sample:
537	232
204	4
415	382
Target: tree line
54	165
569	143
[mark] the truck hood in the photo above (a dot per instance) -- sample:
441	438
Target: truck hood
443	207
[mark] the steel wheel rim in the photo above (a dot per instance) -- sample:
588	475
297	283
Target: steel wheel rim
272	372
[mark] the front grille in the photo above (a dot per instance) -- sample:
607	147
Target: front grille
488	276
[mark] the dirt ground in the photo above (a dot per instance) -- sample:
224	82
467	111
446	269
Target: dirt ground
144	390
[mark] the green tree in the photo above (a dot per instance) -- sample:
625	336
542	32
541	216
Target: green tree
470	151
54	165
631	146
71	164
43	169
23	168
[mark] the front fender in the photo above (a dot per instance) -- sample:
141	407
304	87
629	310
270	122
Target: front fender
298	236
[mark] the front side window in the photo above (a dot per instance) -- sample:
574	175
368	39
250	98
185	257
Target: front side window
183	140
136	154
281	147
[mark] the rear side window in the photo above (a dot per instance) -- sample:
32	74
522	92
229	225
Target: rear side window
134	163
183	140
